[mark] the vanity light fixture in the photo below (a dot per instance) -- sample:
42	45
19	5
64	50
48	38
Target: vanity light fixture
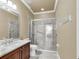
3	1
7	5
10	3
14	7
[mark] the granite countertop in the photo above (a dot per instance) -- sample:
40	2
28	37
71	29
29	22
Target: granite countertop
7	49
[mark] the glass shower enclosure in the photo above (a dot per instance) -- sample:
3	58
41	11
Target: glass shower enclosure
43	34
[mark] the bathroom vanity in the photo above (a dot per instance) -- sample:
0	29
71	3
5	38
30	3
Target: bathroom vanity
19	50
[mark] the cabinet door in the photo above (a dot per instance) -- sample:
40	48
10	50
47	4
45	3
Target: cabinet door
14	55
26	51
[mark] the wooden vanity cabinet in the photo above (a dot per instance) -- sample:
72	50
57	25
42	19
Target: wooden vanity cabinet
20	53
25	51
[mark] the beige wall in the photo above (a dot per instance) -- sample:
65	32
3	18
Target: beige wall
5	18
67	32
24	19
45	15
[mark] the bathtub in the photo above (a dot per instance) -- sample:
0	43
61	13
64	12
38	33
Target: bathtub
37	53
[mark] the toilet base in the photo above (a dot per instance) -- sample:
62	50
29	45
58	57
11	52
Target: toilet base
33	49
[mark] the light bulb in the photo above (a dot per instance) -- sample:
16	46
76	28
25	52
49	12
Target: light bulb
14	6
10	3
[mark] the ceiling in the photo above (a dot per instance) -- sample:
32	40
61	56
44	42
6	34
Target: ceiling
36	5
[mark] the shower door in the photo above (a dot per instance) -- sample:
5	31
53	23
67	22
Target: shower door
38	34
43	35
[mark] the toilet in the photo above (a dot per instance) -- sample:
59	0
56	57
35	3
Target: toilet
33	49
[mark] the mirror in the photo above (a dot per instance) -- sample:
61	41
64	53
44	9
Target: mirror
9	21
